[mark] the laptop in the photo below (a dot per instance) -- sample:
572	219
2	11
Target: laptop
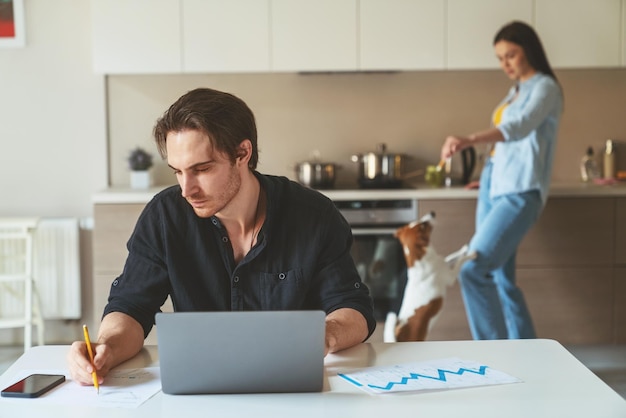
241	352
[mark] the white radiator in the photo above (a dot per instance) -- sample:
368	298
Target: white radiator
56	270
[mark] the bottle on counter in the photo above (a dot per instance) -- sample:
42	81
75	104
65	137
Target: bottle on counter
589	167
609	159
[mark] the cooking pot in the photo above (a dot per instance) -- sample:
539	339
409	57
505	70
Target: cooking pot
381	169
316	175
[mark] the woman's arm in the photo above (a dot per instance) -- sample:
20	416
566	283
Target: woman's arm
454	144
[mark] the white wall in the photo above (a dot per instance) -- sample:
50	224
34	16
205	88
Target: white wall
52	115
52	121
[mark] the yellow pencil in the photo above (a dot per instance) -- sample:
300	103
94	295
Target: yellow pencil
93	374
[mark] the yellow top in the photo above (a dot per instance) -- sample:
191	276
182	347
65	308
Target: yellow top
497	114
497	118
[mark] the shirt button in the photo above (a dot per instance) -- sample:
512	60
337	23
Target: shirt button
282	276
214	221
357	285
236	279
224	239
115	282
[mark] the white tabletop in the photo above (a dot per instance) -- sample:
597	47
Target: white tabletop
555	384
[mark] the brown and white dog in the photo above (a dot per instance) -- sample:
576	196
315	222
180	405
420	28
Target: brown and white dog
428	276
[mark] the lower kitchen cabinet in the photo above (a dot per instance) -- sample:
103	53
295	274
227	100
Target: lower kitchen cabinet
114	224
620	231
571	232
571	305
454	222
452	322
619	305
569	267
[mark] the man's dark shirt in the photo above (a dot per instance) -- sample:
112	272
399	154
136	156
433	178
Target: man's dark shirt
301	260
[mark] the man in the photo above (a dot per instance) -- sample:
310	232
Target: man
227	238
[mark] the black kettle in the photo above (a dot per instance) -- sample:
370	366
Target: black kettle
468	159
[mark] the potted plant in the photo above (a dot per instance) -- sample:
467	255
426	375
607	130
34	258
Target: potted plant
140	162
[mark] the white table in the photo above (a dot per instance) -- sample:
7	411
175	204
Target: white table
555	384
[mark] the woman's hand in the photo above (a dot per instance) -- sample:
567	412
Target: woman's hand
453	144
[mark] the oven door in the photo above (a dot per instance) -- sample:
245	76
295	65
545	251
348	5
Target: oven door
380	262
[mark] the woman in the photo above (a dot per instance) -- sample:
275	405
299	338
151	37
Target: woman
513	184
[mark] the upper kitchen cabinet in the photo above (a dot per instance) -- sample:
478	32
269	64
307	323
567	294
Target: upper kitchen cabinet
314	35
402	34
225	36
587	35
472	26
136	37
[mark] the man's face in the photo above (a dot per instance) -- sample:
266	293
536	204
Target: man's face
206	177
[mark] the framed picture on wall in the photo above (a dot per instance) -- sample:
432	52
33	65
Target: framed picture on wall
12	30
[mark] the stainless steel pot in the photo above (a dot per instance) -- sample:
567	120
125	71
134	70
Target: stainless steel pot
380	169
316	175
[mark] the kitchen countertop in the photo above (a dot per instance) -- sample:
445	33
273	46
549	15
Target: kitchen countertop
126	195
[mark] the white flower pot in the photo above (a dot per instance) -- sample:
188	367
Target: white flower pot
140	179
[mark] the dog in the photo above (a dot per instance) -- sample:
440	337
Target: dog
428	276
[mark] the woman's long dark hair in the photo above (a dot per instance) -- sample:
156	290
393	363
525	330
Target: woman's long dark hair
525	36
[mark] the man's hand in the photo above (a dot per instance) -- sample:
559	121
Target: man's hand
345	328
120	337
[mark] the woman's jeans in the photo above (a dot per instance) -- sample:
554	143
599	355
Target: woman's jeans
494	304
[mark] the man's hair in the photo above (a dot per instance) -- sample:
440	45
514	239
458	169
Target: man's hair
224	118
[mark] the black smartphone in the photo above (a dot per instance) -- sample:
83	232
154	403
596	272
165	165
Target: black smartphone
33	386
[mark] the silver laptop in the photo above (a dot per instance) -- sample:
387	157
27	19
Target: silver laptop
241	352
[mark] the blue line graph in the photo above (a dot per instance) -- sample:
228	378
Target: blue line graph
441	376
430	375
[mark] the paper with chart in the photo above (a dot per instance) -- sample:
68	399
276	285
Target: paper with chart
123	388
443	374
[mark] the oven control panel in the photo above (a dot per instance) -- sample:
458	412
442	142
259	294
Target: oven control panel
362	212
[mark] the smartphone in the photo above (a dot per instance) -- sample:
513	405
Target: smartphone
33	386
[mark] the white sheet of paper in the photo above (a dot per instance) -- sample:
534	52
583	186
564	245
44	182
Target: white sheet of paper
123	388
439	374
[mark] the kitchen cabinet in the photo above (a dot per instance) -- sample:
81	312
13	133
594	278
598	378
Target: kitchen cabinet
565	265
571	232
221	36
571	265
619	305
197	36
314	35
454	222
620	232
587	35
113	225
136	37
570	305
472	26
401	35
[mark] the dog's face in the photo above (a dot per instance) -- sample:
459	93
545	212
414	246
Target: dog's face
414	237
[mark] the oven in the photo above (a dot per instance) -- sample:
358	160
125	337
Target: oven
378	255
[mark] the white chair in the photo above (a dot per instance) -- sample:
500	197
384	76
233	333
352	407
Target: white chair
17	286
